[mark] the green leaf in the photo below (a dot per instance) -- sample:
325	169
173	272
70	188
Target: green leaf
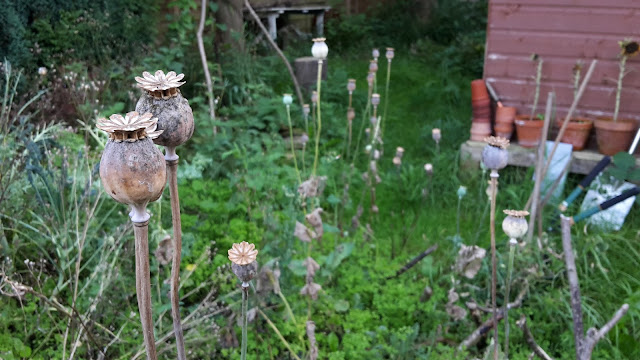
333	200
624	160
341	252
298	268
341	306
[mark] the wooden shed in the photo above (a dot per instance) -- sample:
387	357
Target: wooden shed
563	32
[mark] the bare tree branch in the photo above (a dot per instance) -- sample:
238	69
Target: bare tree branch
205	66
594	335
574	286
277	49
486	326
414	261
584	345
528	336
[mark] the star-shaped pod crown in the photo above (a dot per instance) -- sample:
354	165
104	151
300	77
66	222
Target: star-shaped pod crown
516	213
160	85
243	253
131	127
497	141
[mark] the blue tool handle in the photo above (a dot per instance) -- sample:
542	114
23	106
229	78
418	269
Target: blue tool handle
595	171
574	194
585	214
624	196
607	204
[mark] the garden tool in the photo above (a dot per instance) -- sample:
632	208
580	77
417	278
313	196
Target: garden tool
603	163
621	194
588	207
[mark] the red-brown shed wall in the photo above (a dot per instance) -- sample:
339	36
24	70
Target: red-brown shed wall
563	32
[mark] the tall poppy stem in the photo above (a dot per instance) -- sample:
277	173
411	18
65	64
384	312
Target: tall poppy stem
494	186
143	286
172	174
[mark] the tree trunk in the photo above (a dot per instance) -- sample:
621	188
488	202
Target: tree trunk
230	14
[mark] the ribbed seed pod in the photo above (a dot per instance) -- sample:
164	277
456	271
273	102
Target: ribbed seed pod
132	169
163	99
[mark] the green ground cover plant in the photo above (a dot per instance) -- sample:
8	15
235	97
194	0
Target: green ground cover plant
66	274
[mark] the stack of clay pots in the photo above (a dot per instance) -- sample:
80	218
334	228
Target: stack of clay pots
480	104
505	116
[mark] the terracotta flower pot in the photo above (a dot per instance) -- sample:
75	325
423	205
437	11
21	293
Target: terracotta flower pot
479	90
482	103
480	130
614	137
577	132
484	119
481	112
504	130
529	131
505	114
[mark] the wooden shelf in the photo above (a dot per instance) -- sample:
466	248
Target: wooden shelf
581	163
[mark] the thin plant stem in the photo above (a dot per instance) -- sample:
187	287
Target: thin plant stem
536	95
304	167
484	216
282	339
143	286
309	297
293	318
386	96
492	227
245	301
458	219
319	118
313	118
512	253
306	123
293	150
623	62
172	173
361	131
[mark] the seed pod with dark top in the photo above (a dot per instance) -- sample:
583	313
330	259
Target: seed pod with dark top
243	257
132	169
495	155
163	99
515	225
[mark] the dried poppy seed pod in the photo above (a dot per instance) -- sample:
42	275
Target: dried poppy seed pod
375	99
351	114
515	225
390	53
163	99
375	53
399	152
319	50
462	191
306	110
314	97
397	161
351	85
428	168
436	135
243	257
132	169
373	66
370	78
287	99
495	155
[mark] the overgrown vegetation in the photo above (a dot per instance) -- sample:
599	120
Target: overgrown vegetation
66	274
